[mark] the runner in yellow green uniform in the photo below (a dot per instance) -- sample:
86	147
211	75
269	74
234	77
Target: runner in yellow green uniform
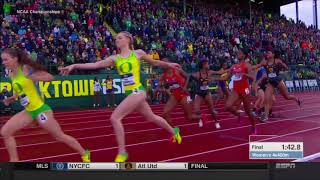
127	63
19	64
129	70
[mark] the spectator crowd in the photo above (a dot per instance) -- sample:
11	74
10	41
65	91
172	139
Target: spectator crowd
78	32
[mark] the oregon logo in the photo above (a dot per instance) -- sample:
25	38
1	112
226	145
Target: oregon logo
17	88
271	70
125	67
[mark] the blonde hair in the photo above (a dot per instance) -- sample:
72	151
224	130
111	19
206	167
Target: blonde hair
128	35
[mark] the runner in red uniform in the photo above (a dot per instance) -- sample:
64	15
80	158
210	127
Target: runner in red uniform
177	80
176	83
241	89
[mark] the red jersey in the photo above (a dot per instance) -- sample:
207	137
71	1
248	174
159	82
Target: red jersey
240	81
175	81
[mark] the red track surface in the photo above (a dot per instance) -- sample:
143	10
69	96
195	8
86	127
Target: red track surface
148	143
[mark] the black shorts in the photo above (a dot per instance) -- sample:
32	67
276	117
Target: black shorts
202	94
275	81
263	85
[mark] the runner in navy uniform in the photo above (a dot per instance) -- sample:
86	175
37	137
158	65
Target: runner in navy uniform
272	66
203	93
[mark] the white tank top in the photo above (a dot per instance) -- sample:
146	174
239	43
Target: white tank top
97	86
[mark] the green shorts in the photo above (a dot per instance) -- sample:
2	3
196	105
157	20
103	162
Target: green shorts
136	90
34	114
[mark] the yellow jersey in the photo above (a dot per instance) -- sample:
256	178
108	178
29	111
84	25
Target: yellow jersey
28	95
129	70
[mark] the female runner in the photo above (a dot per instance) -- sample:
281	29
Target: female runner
19	64
203	93
127	63
223	88
238	104
241	90
177	80
273	65
259	86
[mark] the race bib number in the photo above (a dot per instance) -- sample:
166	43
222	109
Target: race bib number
24	100
128	79
272	75
204	88
237	77
175	86
247	91
42	118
